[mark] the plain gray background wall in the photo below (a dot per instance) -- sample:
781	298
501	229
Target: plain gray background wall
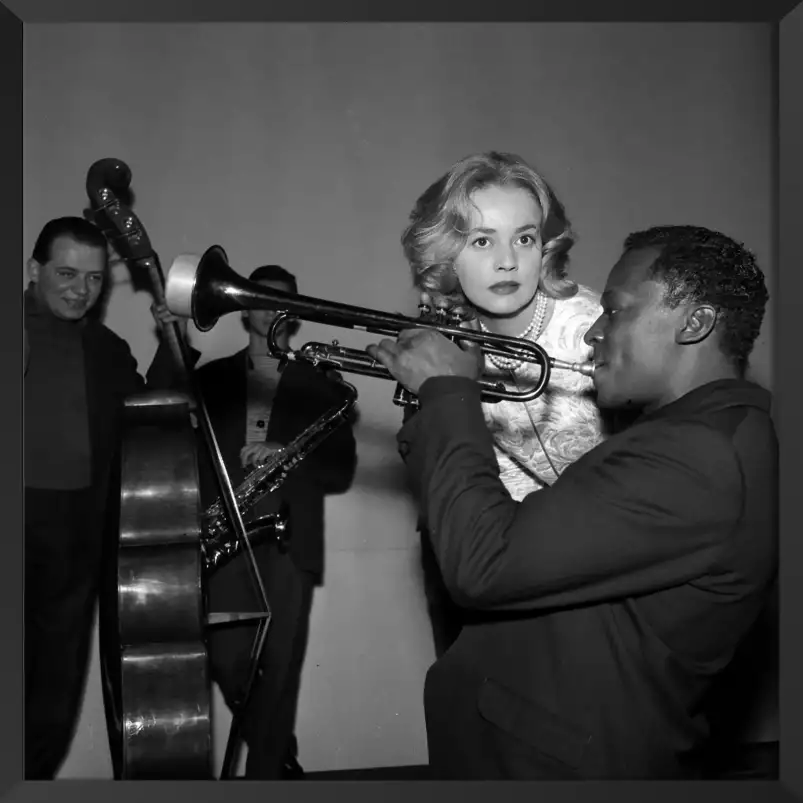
306	145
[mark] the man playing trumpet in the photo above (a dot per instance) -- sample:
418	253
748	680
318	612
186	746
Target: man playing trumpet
611	600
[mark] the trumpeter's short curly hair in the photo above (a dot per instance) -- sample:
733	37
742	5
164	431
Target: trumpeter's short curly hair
697	264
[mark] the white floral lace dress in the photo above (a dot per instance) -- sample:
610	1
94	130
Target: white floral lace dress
568	421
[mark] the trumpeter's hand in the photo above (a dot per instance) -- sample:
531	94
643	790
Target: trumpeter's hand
421	354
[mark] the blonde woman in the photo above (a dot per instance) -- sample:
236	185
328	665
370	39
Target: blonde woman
490	241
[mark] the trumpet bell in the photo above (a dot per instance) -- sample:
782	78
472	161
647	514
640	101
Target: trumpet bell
210	271
207	288
180	283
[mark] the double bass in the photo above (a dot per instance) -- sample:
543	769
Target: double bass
154	659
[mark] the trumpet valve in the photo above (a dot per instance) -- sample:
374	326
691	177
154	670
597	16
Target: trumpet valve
341	351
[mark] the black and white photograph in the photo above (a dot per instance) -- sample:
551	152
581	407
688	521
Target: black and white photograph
400	396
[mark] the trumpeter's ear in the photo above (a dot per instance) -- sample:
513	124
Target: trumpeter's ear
697	325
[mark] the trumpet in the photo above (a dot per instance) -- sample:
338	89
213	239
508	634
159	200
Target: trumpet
207	288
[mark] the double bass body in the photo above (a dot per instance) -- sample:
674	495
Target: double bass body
163	723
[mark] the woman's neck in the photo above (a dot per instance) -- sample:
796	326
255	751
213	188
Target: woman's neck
517	325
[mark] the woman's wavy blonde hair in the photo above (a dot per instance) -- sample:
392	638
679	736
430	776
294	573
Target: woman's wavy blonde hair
439	226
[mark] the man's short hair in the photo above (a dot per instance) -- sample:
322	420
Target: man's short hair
697	264
274	273
77	228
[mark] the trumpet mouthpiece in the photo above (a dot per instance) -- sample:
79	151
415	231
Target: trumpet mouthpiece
584	368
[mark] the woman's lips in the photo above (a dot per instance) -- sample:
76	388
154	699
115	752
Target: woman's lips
504	288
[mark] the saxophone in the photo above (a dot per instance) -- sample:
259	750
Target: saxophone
219	543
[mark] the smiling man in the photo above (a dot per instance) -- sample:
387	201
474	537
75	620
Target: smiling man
603	607
77	375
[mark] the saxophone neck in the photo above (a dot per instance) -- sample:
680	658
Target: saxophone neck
350	393
336	378
347	390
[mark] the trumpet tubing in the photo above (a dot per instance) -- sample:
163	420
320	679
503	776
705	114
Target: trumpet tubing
345	359
207	288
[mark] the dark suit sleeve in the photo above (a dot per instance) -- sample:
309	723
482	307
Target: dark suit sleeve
649	516
333	463
164	373
210	379
124	365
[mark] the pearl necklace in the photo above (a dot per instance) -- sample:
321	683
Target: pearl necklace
536	325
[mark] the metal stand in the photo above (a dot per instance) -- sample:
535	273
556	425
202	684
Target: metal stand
233	744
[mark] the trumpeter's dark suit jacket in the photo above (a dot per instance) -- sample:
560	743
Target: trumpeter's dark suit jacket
601	608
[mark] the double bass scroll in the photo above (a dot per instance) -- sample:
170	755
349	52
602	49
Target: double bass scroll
107	182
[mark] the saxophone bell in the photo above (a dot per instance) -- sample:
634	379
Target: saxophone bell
219	545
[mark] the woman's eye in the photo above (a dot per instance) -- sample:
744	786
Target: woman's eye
481	242
527	239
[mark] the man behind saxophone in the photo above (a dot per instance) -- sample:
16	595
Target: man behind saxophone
256	406
612	599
